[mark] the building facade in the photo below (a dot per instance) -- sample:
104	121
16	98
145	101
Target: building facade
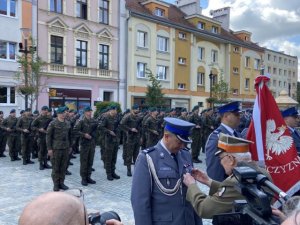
79	41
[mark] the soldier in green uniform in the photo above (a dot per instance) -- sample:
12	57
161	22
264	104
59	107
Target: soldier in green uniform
208	126
19	147
24	127
35	147
2	136
151	124
144	130
101	135
86	129
108	125
183	114
196	134
40	125
131	125
58	139
123	136
9	124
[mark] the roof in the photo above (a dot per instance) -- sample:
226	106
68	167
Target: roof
176	18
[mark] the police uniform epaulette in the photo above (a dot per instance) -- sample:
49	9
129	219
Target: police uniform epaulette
217	131
148	150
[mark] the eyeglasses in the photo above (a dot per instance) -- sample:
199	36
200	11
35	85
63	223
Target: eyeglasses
79	194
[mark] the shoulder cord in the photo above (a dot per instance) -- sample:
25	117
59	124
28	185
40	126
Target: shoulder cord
166	191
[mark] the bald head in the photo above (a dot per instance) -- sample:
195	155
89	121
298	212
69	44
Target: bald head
54	208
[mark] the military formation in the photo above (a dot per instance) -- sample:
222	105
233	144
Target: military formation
54	137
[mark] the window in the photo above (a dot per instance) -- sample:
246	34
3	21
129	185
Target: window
269	69
8	7
141	70
162	44
181	86
141	39
103	57
284	84
159	12
235	91
285	61
284	72
235	70
81	9
280	71
201	25
81	53
236	49
247	61
279	59
103	11
200	79
256	64
294	74
107	96
182	35
279	83
182	60
274	70
56	6
269	57
214	29
201	52
274	58
289	62
161	72
7	95
56	50
214	56
274	83
247	83
7	50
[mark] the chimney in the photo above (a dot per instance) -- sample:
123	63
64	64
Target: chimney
222	15
189	7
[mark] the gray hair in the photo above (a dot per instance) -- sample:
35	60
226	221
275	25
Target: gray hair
290	205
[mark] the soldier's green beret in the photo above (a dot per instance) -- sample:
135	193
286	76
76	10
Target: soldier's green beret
12	111
135	106
36	112
196	107
45	108
183	110
21	112
61	110
49	109
87	109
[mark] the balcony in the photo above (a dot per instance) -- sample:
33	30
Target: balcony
83	71
109	74
56	68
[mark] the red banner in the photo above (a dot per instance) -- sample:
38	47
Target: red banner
273	143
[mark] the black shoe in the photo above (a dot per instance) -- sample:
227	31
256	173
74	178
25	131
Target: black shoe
73	157
84	182
129	174
55	188
17	158
70	163
47	166
93	169
115	176
34	156
109	177
2	156
68	172
42	167
29	161
91	181
24	162
197	161
12	159
63	187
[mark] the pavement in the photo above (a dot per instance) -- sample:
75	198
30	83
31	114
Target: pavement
20	184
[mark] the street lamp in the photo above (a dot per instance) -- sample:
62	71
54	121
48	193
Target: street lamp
211	76
26	50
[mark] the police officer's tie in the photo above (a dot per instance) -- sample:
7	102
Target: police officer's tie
174	156
235	134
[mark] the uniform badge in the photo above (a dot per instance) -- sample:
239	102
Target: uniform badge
162	155
222	191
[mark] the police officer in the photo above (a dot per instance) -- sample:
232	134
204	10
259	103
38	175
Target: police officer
3	136
221	194
24	127
196	134
108	125
86	129
40	125
157	194
9	124
58	141
230	120
291	118
131	125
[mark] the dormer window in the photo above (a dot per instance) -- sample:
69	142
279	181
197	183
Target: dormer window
236	49
182	60
201	25
214	29
182	35
159	12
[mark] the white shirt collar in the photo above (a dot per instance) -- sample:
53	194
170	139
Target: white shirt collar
228	128
164	147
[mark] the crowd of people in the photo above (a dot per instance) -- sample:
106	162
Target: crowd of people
156	141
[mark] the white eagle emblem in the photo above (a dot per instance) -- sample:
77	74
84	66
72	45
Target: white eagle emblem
277	143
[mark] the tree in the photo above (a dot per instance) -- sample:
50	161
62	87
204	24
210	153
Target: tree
219	92
154	95
29	78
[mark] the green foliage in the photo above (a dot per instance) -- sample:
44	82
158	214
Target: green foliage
103	105
154	95
220	91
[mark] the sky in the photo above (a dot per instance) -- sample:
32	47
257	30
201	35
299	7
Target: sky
274	24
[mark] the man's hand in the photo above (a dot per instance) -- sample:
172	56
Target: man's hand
201	177
87	136
25	131
134	130
197	126
50	153
188	179
112	133
113	222
8	129
42	130
278	213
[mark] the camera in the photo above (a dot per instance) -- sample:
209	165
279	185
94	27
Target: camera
256	208
100	219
